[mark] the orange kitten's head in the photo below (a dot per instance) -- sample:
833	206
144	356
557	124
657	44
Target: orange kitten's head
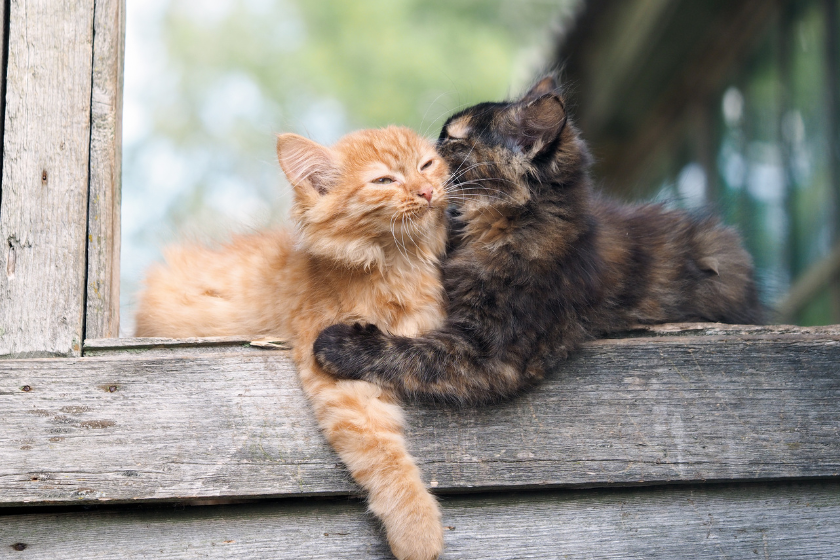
374	196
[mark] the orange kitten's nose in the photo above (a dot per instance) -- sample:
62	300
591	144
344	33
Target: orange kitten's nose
426	192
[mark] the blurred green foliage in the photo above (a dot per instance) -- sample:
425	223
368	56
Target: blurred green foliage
773	167
208	84
384	61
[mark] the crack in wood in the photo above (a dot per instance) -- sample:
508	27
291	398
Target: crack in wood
10	260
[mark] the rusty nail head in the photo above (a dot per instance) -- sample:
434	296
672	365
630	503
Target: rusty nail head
112	388
26	388
19	546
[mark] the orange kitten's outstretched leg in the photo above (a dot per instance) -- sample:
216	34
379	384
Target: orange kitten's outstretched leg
367	432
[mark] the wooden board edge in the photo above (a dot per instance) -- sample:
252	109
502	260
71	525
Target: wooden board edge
103	240
642	334
789	521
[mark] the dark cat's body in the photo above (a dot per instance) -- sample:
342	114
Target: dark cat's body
540	265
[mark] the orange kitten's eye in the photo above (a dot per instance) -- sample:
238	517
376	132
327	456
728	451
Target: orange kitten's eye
383	181
427	165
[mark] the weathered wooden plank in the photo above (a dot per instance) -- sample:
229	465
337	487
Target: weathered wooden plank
624	411
3	61
107	346
46	142
173	346
102	317
767	332
755	521
218	344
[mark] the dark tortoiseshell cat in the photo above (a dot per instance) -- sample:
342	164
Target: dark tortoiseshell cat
539	264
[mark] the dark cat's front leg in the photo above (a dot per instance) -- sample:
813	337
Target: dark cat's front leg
406	365
444	365
351	351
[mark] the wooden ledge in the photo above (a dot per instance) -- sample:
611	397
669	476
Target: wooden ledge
744	521
177	421
168	346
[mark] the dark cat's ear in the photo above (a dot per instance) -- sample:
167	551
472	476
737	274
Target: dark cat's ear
306	163
537	123
543	87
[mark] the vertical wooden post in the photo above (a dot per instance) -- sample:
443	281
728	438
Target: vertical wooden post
46	147
102	309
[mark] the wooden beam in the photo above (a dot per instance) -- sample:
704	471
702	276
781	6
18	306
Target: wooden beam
702	73
102	308
46	144
637	26
641	66
727	404
748	521
173	346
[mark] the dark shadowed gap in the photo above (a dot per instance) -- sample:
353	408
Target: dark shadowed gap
4	60
90	149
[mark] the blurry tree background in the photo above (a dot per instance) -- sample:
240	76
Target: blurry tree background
732	105
209	84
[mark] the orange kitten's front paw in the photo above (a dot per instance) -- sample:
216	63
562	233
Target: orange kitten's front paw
419	535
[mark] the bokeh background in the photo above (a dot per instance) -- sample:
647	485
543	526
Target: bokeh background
731	104
209	84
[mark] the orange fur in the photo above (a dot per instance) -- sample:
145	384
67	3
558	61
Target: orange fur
361	251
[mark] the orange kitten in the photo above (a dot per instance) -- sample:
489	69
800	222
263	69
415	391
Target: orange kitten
371	228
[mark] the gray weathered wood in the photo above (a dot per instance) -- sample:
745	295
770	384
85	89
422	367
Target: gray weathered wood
216	344
624	411
720	329
3	17
170	346
43	218
102	317
666	329
785	521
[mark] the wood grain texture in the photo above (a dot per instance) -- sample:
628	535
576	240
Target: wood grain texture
102	315
170	346
3	60
624	411
43	218
785	521
216	344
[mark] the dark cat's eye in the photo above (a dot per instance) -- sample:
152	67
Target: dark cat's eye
383	181
427	165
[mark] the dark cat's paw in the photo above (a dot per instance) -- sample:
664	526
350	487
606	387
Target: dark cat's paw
339	349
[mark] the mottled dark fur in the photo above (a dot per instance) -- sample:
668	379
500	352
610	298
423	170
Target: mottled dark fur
539	264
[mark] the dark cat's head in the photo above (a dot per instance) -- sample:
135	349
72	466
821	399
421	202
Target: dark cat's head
507	154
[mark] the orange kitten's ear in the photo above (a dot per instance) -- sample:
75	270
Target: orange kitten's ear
306	163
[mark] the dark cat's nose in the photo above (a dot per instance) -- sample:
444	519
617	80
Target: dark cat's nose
426	192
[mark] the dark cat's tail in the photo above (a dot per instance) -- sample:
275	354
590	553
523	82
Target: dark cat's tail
442	366
727	292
